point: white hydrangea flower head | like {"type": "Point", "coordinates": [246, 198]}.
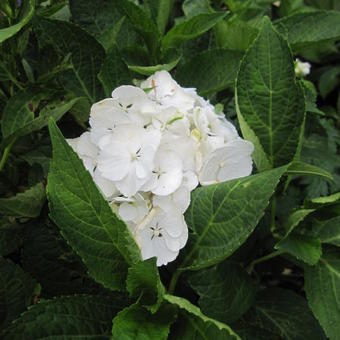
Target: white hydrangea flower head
{"type": "Point", "coordinates": [149, 147]}
{"type": "Point", "coordinates": [301, 69]}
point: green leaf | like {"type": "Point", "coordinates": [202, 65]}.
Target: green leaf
{"type": "Point", "coordinates": [303, 247]}
{"type": "Point", "coordinates": [55, 265]}
{"type": "Point", "coordinates": [305, 29]}
{"type": "Point", "coordinates": [26, 15]}
{"type": "Point", "coordinates": [226, 291]}
{"type": "Point", "coordinates": [19, 111]}
{"type": "Point", "coordinates": [326, 199]}
{"type": "Point", "coordinates": [16, 291]}
{"type": "Point", "coordinates": [295, 218]}
{"type": "Point", "coordinates": [114, 72]}
{"type": "Point", "coordinates": [235, 34]}
{"type": "Point", "coordinates": [328, 231]}
{"type": "Point", "coordinates": [222, 216]}
{"type": "Point", "coordinates": [197, 325]}
{"type": "Point", "coordinates": [191, 28]}
{"type": "Point", "coordinates": [142, 23]}
{"type": "Point", "coordinates": [54, 110]}
{"type": "Point", "coordinates": [210, 71]}
{"type": "Point", "coordinates": [268, 97]}
{"type": "Point", "coordinates": [322, 284]}
{"type": "Point", "coordinates": [303, 169]}
{"type": "Point", "coordinates": [143, 282]}
{"type": "Point", "coordinates": [85, 219]}
{"type": "Point", "coordinates": [135, 322]}
{"type": "Point", "coordinates": [26, 204]}
{"type": "Point", "coordinates": [193, 7]}
{"type": "Point", "coordinates": [70, 317]}
{"type": "Point", "coordinates": [87, 56]}
{"type": "Point", "coordinates": [149, 70]}
{"type": "Point", "coordinates": [160, 11]}
{"type": "Point", "coordinates": [279, 314]}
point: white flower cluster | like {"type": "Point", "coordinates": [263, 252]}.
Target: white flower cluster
{"type": "Point", "coordinates": [148, 147]}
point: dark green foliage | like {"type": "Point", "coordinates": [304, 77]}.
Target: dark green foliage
{"type": "Point", "coordinates": [263, 256]}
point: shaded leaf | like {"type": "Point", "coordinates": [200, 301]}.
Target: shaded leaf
{"type": "Point", "coordinates": [26, 204]}
{"type": "Point", "coordinates": [226, 291]}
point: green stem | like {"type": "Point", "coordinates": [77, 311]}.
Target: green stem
{"type": "Point", "coordinates": [174, 280]}
{"type": "Point", "coordinates": [263, 259]}
{"type": "Point", "coordinates": [5, 155]}
{"type": "Point", "coordinates": [273, 213]}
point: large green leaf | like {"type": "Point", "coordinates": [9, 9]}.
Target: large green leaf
{"type": "Point", "coordinates": [26, 15]}
{"type": "Point", "coordinates": [279, 314]}
{"type": "Point", "coordinates": [135, 322]}
{"type": "Point", "coordinates": [87, 56]}
{"type": "Point", "coordinates": [222, 216]}
{"type": "Point", "coordinates": [26, 204]}
{"type": "Point", "coordinates": [55, 111]}
{"type": "Point", "coordinates": [210, 71]}
{"type": "Point", "coordinates": [191, 28]}
{"type": "Point", "coordinates": [85, 219]}
{"type": "Point", "coordinates": [305, 169]}
{"type": "Point", "coordinates": [114, 72]}
{"type": "Point", "coordinates": [226, 291]}
{"type": "Point", "coordinates": [269, 99]}
{"type": "Point", "coordinates": [16, 291]}
{"type": "Point", "coordinates": [322, 286]}
{"type": "Point", "coordinates": [196, 325]}
{"type": "Point", "coordinates": [143, 282]}
{"type": "Point", "coordinates": [83, 317]}
{"type": "Point", "coordinates": [305, 29]}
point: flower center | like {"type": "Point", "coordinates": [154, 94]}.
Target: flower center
{"type": "Point", "coordinates": [156, 231]}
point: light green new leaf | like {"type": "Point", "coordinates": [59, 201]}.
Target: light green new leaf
{"type": "Point", "coordinates": [26, 204]}
{"type": "Point", "coordinates": [222, 216]}
{"type": "Point", "coordinates": [85, 219]}
{"type": "Point", "coordinates": [26, 15]}
{"type": "Point", "coordinates": [143, 282]}
{"type": "Point", "coordinates": [114, 72]}
{"type": "Point", "coordinates": [331, 199]}
{"type": "Point", "coordinates": [196, 325]}
{"type": "Point", "coordinates": [55, 111]}
{"type": "Point", "coordinates": [135, 322]}
{"type": "Point", "coordinates": [305, 29]}
{"type": "Point", "coordinates": [71, 317]}
{"type": "Point", "coordinates": [269, 99]}
{"type": "Point", "coordinates": [16, 291]}
{"type": "Point", "coordinates": [305, 169]}
{"type": "Point", "coordinates": [149, 70]}
{"type": "Point", "coordinates": [87, 56]}
{"type": "Point", "coordinates": [328, 231]}
{"type": "Point", "coordinates": [279, 314]}
{"type": "Point", "coordinates": [226, 291]}
{"type": "Point", "coordinates": [322, 286]}
{"type": "Point", "coordinates": [210, 71]}
{"type": "Point", "coordinates": [303, 247]}
{"type": "Point", "coordinates": [191, 28]}
{"type": "Point", "coordinates": [160, 11]}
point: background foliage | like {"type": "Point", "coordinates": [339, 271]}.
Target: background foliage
{"type": "Point", "coordinates": [263, 260]}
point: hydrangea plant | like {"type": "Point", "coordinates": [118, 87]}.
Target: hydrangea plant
{"type": "Point", "coordinates": [169, 169]}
